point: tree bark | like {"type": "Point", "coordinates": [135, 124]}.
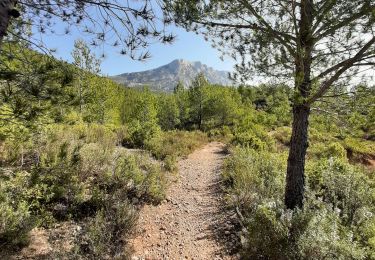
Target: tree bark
{"type": "Point", "coordinates": [295, 179]}
{"type": "Point", "coordinates": [5, 15]}
{"type": "Point", "coordinates": [295, 182]}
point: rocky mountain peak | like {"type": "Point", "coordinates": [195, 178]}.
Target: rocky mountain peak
{"type": "Point", "coordinates": [166, 77]}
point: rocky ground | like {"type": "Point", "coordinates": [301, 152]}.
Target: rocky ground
{"type": "Point", "coordinates": [192, 222]}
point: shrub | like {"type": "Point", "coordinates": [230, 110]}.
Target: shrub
{"type": "Point", "coordinates": [170, 163]}
{"type": "Point", "coordinates": [15, 222]}
{"type": "Point", "coordinates": [15, 216]}
{"type": "Point", "coordinates": [78, 173]}
{"type": "Point", "coordinates": [255, 137]}
{"type": "Point", "coordinates": [283, 134]}
{"type": "Point", "coordinates": [176, 143]}
{"type": "Point", "coordinates": [324, 150]}
{"type": "Point", "coordinates": [342, 186]}
{"type": "Point", "coordinates": [359, 149]}
{"type": "Point", "coordinates": [106, 232]}
{"type": "Point", "coordinates": [336, 222]}
{"type": "Point", "coordinates": [141, 133]}
{"type": "Point", "coordinates": [254, 177]}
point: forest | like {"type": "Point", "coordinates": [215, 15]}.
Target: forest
{"type": "Point", "coordinates": [81, 155]}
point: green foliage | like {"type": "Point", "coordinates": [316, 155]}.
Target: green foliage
{"type": "Point", "coordinates": [327, 150]}
{"type": "Point", "coordinates": [248, 132]}
{"type": "Point", "coordinates": [61, 131]}
{"type": "Point", "coordinates": [337, 221]}
{"type": "Point", "coordinates": [176, 144]}
{"type": "Point", "coordinates": [282, 135]}
{"type": "Point", "coordinates": [168, 112]}
{"type": "Point", "coordinates": [359, 148]}
{"type": "Point", "coordinates": [105, 231]}
{"type": "Point", "coordinates": [15, 216]}
{"type": "Point", "coordinates": [78, 173]}
{"type": "Point", "coordinates": [139, 113]}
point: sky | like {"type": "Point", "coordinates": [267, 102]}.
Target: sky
{"type": "Point", "coordinates": [188, 46]}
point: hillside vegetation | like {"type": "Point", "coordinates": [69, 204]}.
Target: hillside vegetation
{"type": "Point", "coordinates": [78, 148]}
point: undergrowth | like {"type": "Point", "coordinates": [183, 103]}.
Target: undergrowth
{"type": "Point", "coordinates": [336, 222]}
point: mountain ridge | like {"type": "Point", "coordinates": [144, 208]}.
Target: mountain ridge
{"type": "Point", "coordinates": [166, 77]}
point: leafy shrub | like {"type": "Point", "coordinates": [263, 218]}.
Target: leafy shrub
{"type": "Point", "coordinates": [140, 134]}
{"type": "Point", "coordinates": [139, 177]}
{"type": "Point", "coordinates": [15, 216]}
{"type": "Point", "coordinates": [283, 134]}
{"type": "Point", "coordinates": [359, 149]}
{"type": "Point", "coordinates": [170, 163]}
{"type": "Point", "coordinates": [342, 186]}
{"type": "Point", "coordinates": [106, 231]}
{"type": "Point", "coordinates": [336, 222]}
{"type": "Point", "coordinates": [176, 143]}
{"type": "Point", "coordinates": [249, 140]}
{"type": "Point", "coordinates": [79, 173]}
{"type": "Point", "coordinates": [252, 135]}
{"type": "Point", "coordinates": [324, 150]}
{"type": "Point", "coordinates": [254, 176]}
{"type": "Point", "coordinates": [15, 222]}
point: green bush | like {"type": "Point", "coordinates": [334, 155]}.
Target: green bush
{"type": "Point", "coordinates": [16, 219]}
{"type": "Point", "coordinates": [359, 149]}
{"type": "Point", "coordinates": [170, 163]}
{"type": "Point", "coordinates": [254, 177]}
{"type": "Point", "coordinates": [140, 134]}
{"type": "Point", "coordinates": [327, 150]}
{"type": "Point", "coordinates": [106, 232]}
{"type": "Point", "coordinates": [78, 172]}
{"type": "Point", "coordinates": [282, 135]}
{"type": "Point", "coordinates": [343, 186]}
{"type": "Point", "coordinates": [336, 222]}
{"type": "Point", "coordinates": [252, 135]}
{"type": "Point", "coordinates": [176, 143]}
{"type": "Point", "coordinates": [15, 222]}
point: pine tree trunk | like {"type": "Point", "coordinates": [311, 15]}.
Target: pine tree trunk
{"type": "Point", "coordinates": [295, 182]}
{"type": "Point", "coordinates": [295, 179]}
{"type": "Point", "coordinates": [5, 15]}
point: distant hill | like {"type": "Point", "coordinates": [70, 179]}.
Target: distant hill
{"type": "Point", "coordinates": [166, 77]}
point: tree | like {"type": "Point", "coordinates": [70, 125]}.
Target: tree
{"type": "Point", "coordinates": [310, 44]}
{"type": "Point", "coordinates": [32, 85]}
{"type": "Point", "coordinates": [88, 66]}
{"type": "Point", "coordinates": [197, 97]}
{"type": "Point", "coordinates": [168, 112]}
{"type": "Point", "coordinates": [128, 26]}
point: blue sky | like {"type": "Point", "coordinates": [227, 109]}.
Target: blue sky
{"type": "Point", "coordinates": [188, 46]}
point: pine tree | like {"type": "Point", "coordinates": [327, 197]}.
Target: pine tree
{"type": "Point", "coordinates": [311, 44]}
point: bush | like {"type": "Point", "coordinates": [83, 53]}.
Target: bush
{"type": "Point", "coordinates": [359, 149]}
{"type": "Point", "coordinates": [254, 177]}
{"type": "Point", "coordinates": [343, 186]}
{"type": "Point", "coordinates": [140, 134]}
{"type": "Point", "coordinates": [324, 150]}
{"type": "Point", "coordinates": [15, 216]}
{"type": "Point", "coordinates": [175, 143]}
{"type": "Point", "coordinates": [15, 223]}
{"type": "Point", "coordinates": [253, 136]}
{"type": "Point", "coordinates": [105, 234]}
{"type": "Point", "coordinates": [283, 134]}
{"type": "Point", "coordinates": [336, 222]}
{"type": "Point", "coordinates": [78, 173]}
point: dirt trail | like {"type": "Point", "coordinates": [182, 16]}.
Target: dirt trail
{"type": "Point", "coordinates": [191, 223]}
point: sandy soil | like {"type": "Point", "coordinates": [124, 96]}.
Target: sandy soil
{"type": "Point", "coordinates": [191, 223]}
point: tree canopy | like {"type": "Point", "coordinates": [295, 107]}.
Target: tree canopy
{"type": "Point", "coordinates": [310, 43]}
{"type": "Point", "coordinates": [130, 26]}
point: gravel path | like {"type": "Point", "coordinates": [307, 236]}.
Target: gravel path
{"type": "Point", "coordinates": [191, 223]}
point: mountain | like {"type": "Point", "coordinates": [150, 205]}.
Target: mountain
{"type": "Point", "coordinates": [166, 77]}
